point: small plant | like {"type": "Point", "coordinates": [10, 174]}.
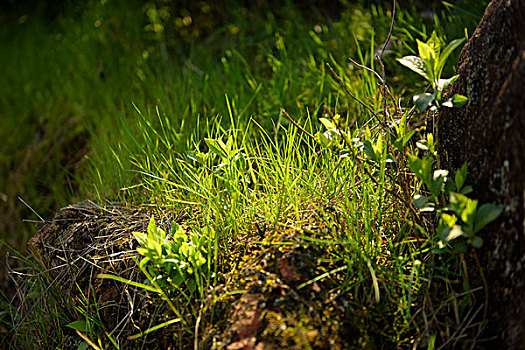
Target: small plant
{"type": "Point", "coordinates": [174, 260]}
{"type": "Point", "coordinates": [429, 65]}
{"type": "Point", "coordinates": [459, 216]}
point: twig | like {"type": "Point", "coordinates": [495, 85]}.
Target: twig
{"type": "Point", "coordinates": [368, 69]}
{"type": "Point", "coordinates": [196, 335]}
{"type": "Point", "coordinates": [383, 52]}
{"type": "Point", "coordinates": [342, 83]}
{"type": "Point", "coordinates": [391, 29]}
{"type": "Point", "coordinates": [34, 212]}
{"type": "Point", "coordinates": [380, 79]}
{"type": "Point", "coordinates": [297, 125]}
{"type": "Point", "coordinates": [385, 110]}
{"type": "Point", "coordinates": [485, 285]}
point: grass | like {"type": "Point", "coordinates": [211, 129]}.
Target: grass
{"type": "Point", "coordinates": [206, 136]}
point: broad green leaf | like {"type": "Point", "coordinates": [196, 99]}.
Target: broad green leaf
{"type": "Point", "coordinates": [78, 325]}
{"type": "Point", "coordinates": [400, 142]}
{"type": "Point", "coordinates": [442, 85]}
{"type": "Point", "coordinates": [426, 51]}
{"type": "Point", "coordinates": [448, 220]}
{"type": "Point", "coordinates": [368, 148]}
{"type": "Point", "coordinates": [368, 134]}
{"type": "Point", "coordinates": [192, 285]}
{"type": "Point", "coordinates": [456, 101]}
{"type": "Point", "coordinates": [435, 45]}
{"type": "Point", "coordinates": [438, 178]}
{"type": "Point", "coordinates": [140, 237]}
{"type": "Point", "coordinates": [161, 233]}
{"type": "Point", "coordinates": [142, 251]}
{"type": "Point", "coordinates": [201, 157]}
{"type": "Point", "coordinates": [400, 126]}
{"type": "Point", "coordinates": [152, 227]}
{"type": "Point", "coordinates": [440, 63]}
{"type": "Point", "coordinates": [469, 213]}
{"type": "Point", "coordinates": [377, 145]}
{"type": "Point", "coordinates": [461, 175]}
{"type": "Point", "coordinates": [416, 64]}
{"type": "Point", "coordinates": [466, 190]}
{"type": "Point", "coordinates": [449, 235]}
{"type": "Point", "coordinates": [421, 168]}
{"type": "Point", "coordinates": [430, 142]}
{"type": "Point", "coordinates": [327, 123]}
{"type": "Point", "coordinates": [423, 101]}
{"type": "Point", "coordinates": [84, 346]}
{"type": "Point", "coordinates": [476, 241]}
{"type": "Point", "coordinates": [450, 186]}
{"type": "Point", "coordinates": [178, 233]}
{"type": "Point", "coordinates": [195, 238]}
{"type": "Point", "coordinates": [486, 214]}
{"type": "Point", "coordinates": [229, 144]}
{"type": "Point", "coordinates": [325, 139]}
{"type": "Point", "coordinates": [459, 248]}
{"type": "Point", "coordinates": [420, 201]}
{"type": "Point", "coordinates": [464, 207]}
{"type": "Point", "coordinates": [219, 148]}
{"type": "Point", "coordinates": [209, 233]}
{"type": "Point", "coordinates": [199, 259]}
{"type": "Point", "coordinates": [144, 261]}
{"type": "Point", "coordinates": [408, 136]}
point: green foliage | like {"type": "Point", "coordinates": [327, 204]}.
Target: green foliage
{"type": "Point", "coordinates": [177, 259]}
{"type": "Point", "coordinates": [458, 215]}
{"type": "Point", "coordinates": [429, 64]}
{"type": "Point", "coordinates": [341, 191]}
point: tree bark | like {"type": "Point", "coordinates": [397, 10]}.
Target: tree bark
{"type": "Point", "coordinates": [489, 133]}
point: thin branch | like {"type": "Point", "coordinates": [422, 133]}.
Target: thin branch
{"type": "Point", "coordinates": [390, 32]}
{"type": "Point", "coordinates": [342, 83]}
{"type": "Point", "coordinates": [296, 124]}
{"type": "Point", "coordinates": [368, 69]}
{"type": "Point", "coordinates": [380, 79]}
{"type": "Point", "coordinates": [34, 212]}
{"type": "Point", "coordinates": [385, 110]}
{"type": "Point", "coordinates": [383, 52]}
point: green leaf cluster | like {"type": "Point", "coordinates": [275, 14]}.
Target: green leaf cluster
{"type": "Point", "coordinates": [429, 64]}
{"type": "Point", "coordinates": [176, 259]}
{"type": "Point", "coordinates": [334, 134]}
{"type": "Point", "coordinates": [401, 133]}
{"type": "Point", "coordinates": [460, 216]}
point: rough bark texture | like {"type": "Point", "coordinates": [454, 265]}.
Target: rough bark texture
{"type": "Point", "coordinates": [489, 133]}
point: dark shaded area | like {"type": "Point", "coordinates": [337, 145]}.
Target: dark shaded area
{"type": "Point", "coordinates": [70, 251]}
{"type": "Point", "coordinates": [489, 134]}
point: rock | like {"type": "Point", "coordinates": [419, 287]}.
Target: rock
{"type": "Point", "coordinates": [489, 133]}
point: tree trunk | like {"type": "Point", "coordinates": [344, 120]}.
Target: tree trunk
{"type": "Point", "coordinates": [489, 133]}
